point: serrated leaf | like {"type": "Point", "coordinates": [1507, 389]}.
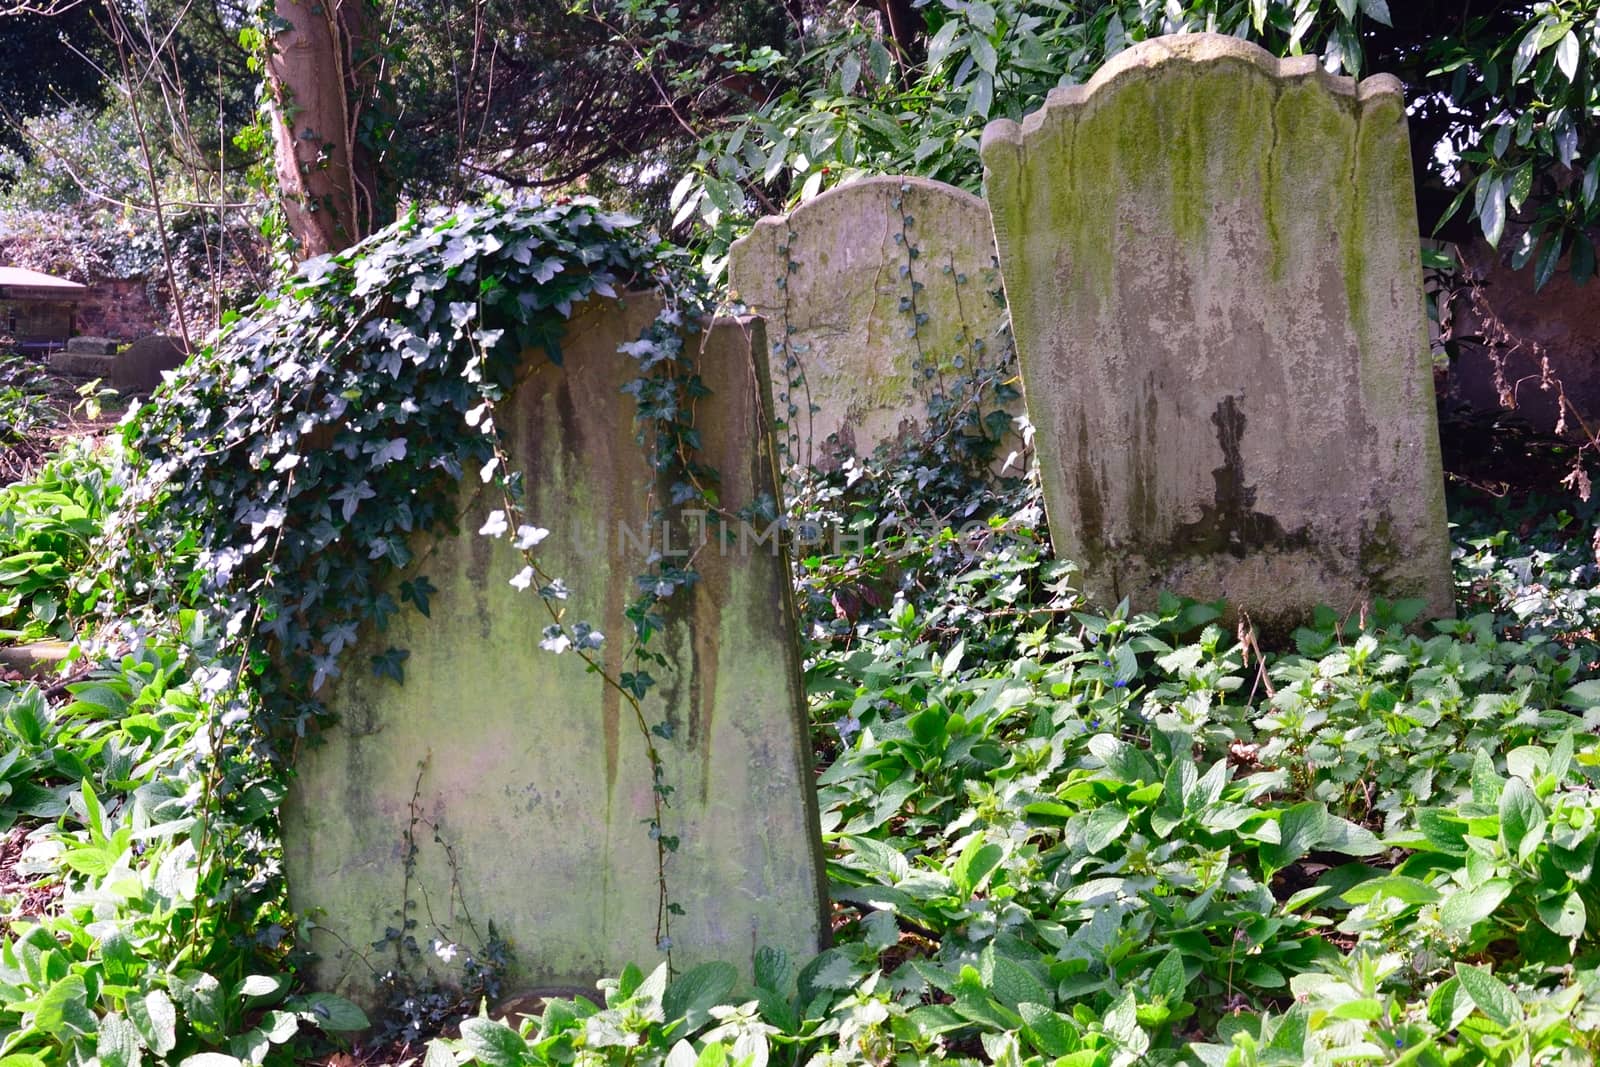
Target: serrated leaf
{"type": "Point", "coordinates": [1492, 996]}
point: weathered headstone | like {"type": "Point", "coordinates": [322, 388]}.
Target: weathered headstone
{"type": "Point", "coordinates": [1212, 265]}
{"type": "Point", "coordinates": [521, 778]}
{"type": "Point", "coordinates": [138, 367]}
{"type": "Point", "coordinates": [85, 357]}
{"type": "Point", "coordinates": [94, 346]}
{"type": "Point", "coordinates": [875, 294]}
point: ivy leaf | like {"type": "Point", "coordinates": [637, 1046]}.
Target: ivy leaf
{"type": "Point", "coordinates": [390, 451]}
{"type": "Point", "coordinates": [391, 664]}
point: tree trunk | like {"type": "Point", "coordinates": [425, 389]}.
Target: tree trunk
{"type": "Point", "coordinates": [326, 180]}
{"type": "Point", "coordinates": [903, 26]}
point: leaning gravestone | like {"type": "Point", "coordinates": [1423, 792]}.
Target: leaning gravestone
{"type": "Point", "coordinates": [1212, 264]}
{"type": "Point", "coordinates": [875, 294]}
{"type": "Point", "coordinates": [520, 778]}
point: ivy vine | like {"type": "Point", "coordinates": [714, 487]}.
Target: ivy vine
{"type": "Point", "coordinates": [284, 479]}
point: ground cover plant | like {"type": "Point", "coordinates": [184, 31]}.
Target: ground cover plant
{"type": "Point", "coordinates": [1057, 832]}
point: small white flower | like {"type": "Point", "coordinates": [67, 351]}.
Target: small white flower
{"type": "Point", "coordinates": [523, 579]}
{"type": "Point", "coordinates": [445, 952]}
{"type": "Point", "coordinates": [528, 536]}
{"type": "Point", "coordinates": [495, 525]}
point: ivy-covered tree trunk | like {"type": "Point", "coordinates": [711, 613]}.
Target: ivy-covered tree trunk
{"type": "Point", "coordinates": [319, 80]}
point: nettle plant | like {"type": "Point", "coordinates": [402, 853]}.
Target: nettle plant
{"type": "Point", "coordinates": [284, 480]}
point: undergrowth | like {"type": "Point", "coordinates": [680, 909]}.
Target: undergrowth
{"type": "Point", "coordinates": [1057, 832]}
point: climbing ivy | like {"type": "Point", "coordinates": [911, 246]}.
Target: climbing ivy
{"type": "Point", "coordinates": [285, 477]}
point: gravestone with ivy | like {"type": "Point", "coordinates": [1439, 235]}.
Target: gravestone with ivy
{"type": "Point", "coordinates": [588, 821]}
{"type": "Point", "coordinates": [1211, 261]}
{"type": "Point", "coordinates": [880, 297]}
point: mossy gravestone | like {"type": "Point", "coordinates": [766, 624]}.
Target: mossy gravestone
{"type": "Point", "coordinates": [504, 784]}
{"type": "Point", "coordinates": [875, 294]}
{"type": "Point", "coordinates": [1212, 264]}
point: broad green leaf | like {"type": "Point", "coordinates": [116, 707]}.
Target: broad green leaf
{"type": "Point", "coordinates": [1009, 981]}
{"type": "Point", "coordinates": [492, 1043]}
{"type": "Point", "coordinates": [1567, 55]}
{"type": "Point", "coordinates": [693, 994]}
{"type": "Point", "coordinates": [1564, 914]}
{"type": "Point", "coordinates": [156, 1019]}
{"type": "Point", "coordinates": [1522, 820]}
{"type": "Point", "coordinates": [1169, 978]}
{"type": "Point", "coordinates": [210, 1059]}
{"type": "Point", "coordinates": [975, 863]}
{"type": "Point", "coordinates": [1299, 830]}
{"type": "Point", "coordinates": [1103, 826]}
{"type": "Point", "coordinates": [1377, 11]}
{"type": "Point", "coordinates": [1465, 908]}
{"type": "Point", "coordinates": [117, 1044]}
{"type": "Point", "coordinates": [1491, 995]}
{"type": "Point", "coordinates": [63, 1008]}
{"type": "Point", "coordinates": [849, 74]}
{"type": "Point", "coordinates": [328, 1011]}
{"type": "Point", "coordinates": [1526, 52]}
{"type": "Point", "coordinates": [1493, 217]}
{"type": "Point", "coordinates": [1052, 1033]}
{"type": "Point", "coordinates": [260, 985]}
{"type": "Point", "coordinates": [1351, 839]}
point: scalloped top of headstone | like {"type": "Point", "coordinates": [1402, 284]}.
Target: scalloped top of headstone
{"type": "Point", "coordinates": [1148, 57]}
{"type": "Point", "coordinates": [876, 295]}
{"type": "Point", "coordinates": [1211, 258]}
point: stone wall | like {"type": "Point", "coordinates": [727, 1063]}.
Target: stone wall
{"type": "Point", "coordinates": [529, 770]}
{"type": "Point", "coordinates": [1212, 266]}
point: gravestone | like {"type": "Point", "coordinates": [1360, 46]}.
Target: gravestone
{"type": "Point", "coordinates": [1211, 260]}
{"type": "Point", "coordinates": [94, 346]}
{"type": "Point", "coordinates": [85, 357]}
{"type": "Point", "coordinates": [138, 367]}
{"type": "Point", "coordinates": [875, 294]}
{"type": "Point", "coordinates": [520, 777]}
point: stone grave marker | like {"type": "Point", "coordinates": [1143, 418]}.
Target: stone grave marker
{"type": "Point", "coordinates": [875, 294]}
{"type": "Point", "coordinates": [138, 367]}
{"type": "Point", "coordinates": [521, 778]}
{"type": "Point", "coordinates": [1212, 265]}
